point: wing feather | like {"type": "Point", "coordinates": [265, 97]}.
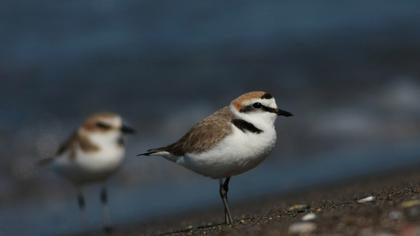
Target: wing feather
{"type": "Point", "coordinates": [64, 147]}
{"type": "Point", "coordinates": [203, 135]}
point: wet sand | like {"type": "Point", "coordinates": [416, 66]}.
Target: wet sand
{"type": "Point", "coordinates": [337, 210]}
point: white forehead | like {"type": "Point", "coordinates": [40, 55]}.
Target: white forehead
{"type": "Point", "coordinates": [114, 121]}
{"type": "Point", "coordinates": [266, 102]}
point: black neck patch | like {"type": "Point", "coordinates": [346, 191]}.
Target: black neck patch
{"type": "Point", "coordinates": [246, 126]}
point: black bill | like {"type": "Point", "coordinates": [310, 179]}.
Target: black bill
{"type": "Point", "coordinates": [281, 112]}
{"type": "Point", "coordinates": [127, 130]}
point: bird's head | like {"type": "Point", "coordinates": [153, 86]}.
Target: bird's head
{"type": "Point", "coordinates": [105, 126]}
{"type": "Point", "coordinates": [257, 106]}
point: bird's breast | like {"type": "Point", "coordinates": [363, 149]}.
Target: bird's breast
{"type": "Point", "coordinates": [235, 154]}
{"type": "Point", "coordinates": [104, 159]}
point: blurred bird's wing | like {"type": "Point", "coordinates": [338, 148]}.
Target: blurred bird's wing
{"type": "Point", "coordinates": [68, 144]}
{"type": "Point", "coordinates": [64, 147]}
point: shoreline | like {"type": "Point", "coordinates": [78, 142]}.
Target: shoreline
{"type": "Point", "coordinates": [393, 210]}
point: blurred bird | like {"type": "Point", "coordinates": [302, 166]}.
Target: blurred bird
{"type": "Point", "coordinates": [91, 155]}
{"type": "Point", "coordinates": [232, 140]}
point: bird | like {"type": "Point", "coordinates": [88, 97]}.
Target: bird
{"type": "Point", "coordinates": [91, 155]}
{"type": "Point", "coordinates": [229, 142]}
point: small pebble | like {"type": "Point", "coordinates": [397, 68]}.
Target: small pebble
{"type": "Point", "coordinates": [189, 227]}
{"type": "Point", "coordinates": [299, 208]}
{"type": "Point", "coordinates": [395, 215]}
{"type": "Point", "coordinates": [366, 199]}
{"type": "Point", "coordinates": [309, 217]}
{"type": "Point", "coordinates": [242, 221]}
{"type": "Point", "coordinates": [302, 228]}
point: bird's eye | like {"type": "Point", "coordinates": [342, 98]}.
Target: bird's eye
{"type": "Point", "coordinates": [257, 105]}
{"type": "Point", "coordinates": [103, 125]}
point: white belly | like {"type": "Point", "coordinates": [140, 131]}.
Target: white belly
{"type": "Point", "coordinates": [234, 155]}
{"type": "Point", "coordinates": [90, 166]}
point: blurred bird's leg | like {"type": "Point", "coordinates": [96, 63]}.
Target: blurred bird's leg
{"type": "Point", "coordinates": [223, 190]}
{"type": "Point", "coordinates": [82, 206]}
{"type": "Point", "coordinates": [105, 210]}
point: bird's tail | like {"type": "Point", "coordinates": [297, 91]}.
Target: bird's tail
{"type": "Point", "coordinates": [156, 152]}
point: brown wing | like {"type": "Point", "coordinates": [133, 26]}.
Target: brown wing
{"type": "Point", "coordinates": [68, 144]}
{"type": "Point", "coordinates": [77, 139]}
{"type": "Point", "coordinates": [203, 135]}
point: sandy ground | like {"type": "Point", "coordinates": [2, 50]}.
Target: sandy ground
{"type": "Point", "coordinates": [390, 209]}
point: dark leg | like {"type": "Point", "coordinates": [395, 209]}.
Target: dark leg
{"type": "Point", "coordinates": [223, 190]}
{"type": "Point", "coordinates": [105, 209]}
{"type": "Point", "coordinates": [82, 205]}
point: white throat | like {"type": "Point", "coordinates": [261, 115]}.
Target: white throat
{"type": "Point", "coordinates": [104, 140]}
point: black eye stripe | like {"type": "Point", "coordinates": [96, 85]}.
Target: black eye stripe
{"type": "Point", "coordinates": [247, 109]}
{"type": "Point", "coordinates": [103, 125]}
{"type": "Point", "coordinates": [251, 108]}
{"type": "Point", "coordinates": [257, 105]}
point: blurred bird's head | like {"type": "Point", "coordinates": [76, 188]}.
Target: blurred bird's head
{"type": "Point", "coordinates": [105, 126]}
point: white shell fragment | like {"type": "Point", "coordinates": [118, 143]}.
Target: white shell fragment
{"type": "Point", "coordinates": [309, 217]}
{"type": "Point", "coordinates": [302, 228]}
{"type": "Point", "coordinates": [395, 215]}
{"type": "Point", "coordinates": [366, 199]}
